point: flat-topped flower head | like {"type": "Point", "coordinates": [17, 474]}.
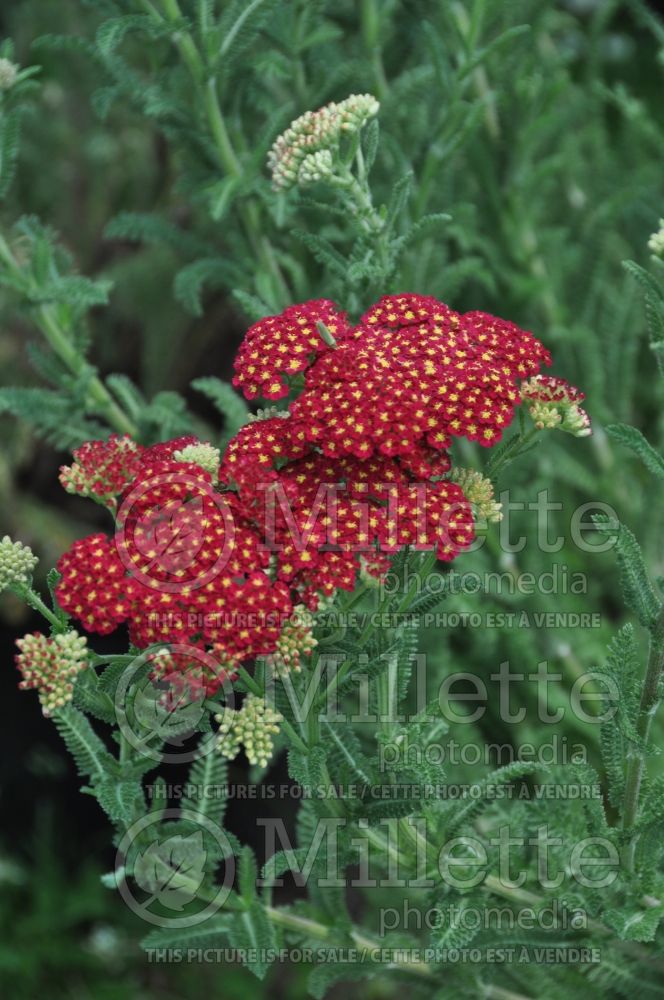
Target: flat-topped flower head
{"type": "Point", "coordinates": [305, 152]}
{"type": "Point", "coordinates": [185, 565]}
{"type": "Point", "coordinates": [412, 375]}
{"type": "Point", "coordinates": [50, 666]}
{"type": "Point", "coordinates": [17, 563]}
{"type": "Point", "coordinates": [554, 403]}
{"type": "Point", "coordinates": [328, 519]}
{"type": "Point", "coordinates": [102, 469]}
{"type": "Point", "coordinates": [280, 347]}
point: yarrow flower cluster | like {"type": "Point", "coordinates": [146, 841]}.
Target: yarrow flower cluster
{"type": "Point", "coordinates": [102, 469]}
{"type": "Point", "coordinates": [553, 403]}
{"type": "Point", "coordinates": [373, 424]}
{"type": "Point", "coordinates": [305, 152]}
{"type": "Point", "coordinates": [17, 563]}
{"type": "Point", "coordinates": [226, 560]}
{"type": "Point", "coordinates": [251, 728]}
{"type": "Point", "coordinates": [280, 347]}
{"type": "Point", "coordinates": [51, 665]}
{"type": "Point", "coordinates": [184, 566]}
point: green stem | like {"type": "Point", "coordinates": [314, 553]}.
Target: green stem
{"type": "Point", "coordinates": [34, 600]}
{"type": "Point", "coordinates": [515, 447]}
{"type": "Point", "coordinates": [60, 340]}
{"type": "Point", "coordinates": [284, 725]}
{"type": "Point", "coordinates": [290, 921]}
{"type": "Point", "coordinates": [650, 701]}
{"type": "Point", "coordinates": [370, 31]}
{"type": "Point", "coordinates": [249, 212]}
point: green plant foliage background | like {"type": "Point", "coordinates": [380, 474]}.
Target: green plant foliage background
{"type": "Point", "coordinates": [531, 136]}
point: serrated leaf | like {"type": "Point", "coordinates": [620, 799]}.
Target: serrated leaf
{"type": "Point", "coordinates": [122, 800]}
{"type": "Point", "coordinates": [637, 588]}
{"type": "Point", "coordinates": [229, 403]}
{"type": "Point", "coordinates": [172, 870]}
{"type": "Point", "coordinates": [646, 280]}
{"type": "Point", "coordinates": [206, 934]}
{"type": "Point", "coordinates": [632, 438]}
{"type": "Point", "coordinates": [90, 755]}
{"type": "Point", "coordinates": [252, 932]}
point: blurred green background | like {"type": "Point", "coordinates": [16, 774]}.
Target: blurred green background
{"type": "Point", "coordinates": [548, 155]}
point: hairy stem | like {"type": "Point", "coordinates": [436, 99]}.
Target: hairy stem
{"type": "Point", "coordinates": [32, 598]}
{"type": "Point", "coordinates": [206, 85]}
{"type": "Point", "coordinates": [650, 701]}
{"type": "Point", "coordinates": [370, 30]}
{"type": "Point", "coordinates": [60, 340]}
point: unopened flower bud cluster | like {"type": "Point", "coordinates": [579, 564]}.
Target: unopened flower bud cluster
{"type": "Point", "coordinates": [203, 454]}
{"type": "Point", "coordinates": [304, 153]}
{"type": "Point", "coordinates": [50, 666]}
{"type": "Point", "coordinates": [554, 404]}
{"type": "Point", "coordinates": [479, 490]}
{"type": "Point", "coordinates": [267, 413]}
{"type": "Point", "coordinates": [17, 562]}
{"type": "Point", "coordinates": [252, 728]}
{"type": "Point", "coordinates": [296, 640]}
{"type": "Point", "coordinates": [8, 74]}
{"type": "Point", "coordinates": [656, 241]}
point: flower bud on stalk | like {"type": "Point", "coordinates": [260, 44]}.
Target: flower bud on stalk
{"type": "Point", "coordinates": [296, 640]}
{"type": "Point", "coordinates": [554, 403]}
{"type": "Point", "coordinates": [17, 563]}
{"type": "Point", "coordinates": [8, 74]}
{"type": "Point", "coordinates": [51, 665]}
{"type": "Point", "coordinates": [202, 454]}
{"type": "Point", "coordinates": [479, 491]}
{"type": "Point", "coordinates": [656, 241]}
{"type": "Point", "coordinates": [252, 727]}
{"type": "Point", "coordinates": [305, 152]}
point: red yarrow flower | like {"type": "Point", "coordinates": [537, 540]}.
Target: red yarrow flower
{"type": "Point", "coordinates": [279, 347]}
{"type": "Point", "coordinates": [185, 566]}
{"type": "Point", "coordinates": [102, 469]}
{"type": "Point", "coordinates": [413, 374]}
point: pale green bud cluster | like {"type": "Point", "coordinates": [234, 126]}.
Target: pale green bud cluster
{"type": "Point", "coordinates": [656, 241]}
{"type": "Point", "coordinates": [305, 152]}
{"type": "Point", "coordinates": [50, 666]}
{"type": "Point", "coordinates": [267, 412]}
{"type": "Point", "coordinates": [8, 74]}
{"type": "Point", "coordinates": [203, 454]}
{"type": "Point", "coordinates": [17, 563]}
{"type": "Point", "coordinates": [315, 167]}
{"type": "Point", "coordinates": [479, 491]}
{"type": "Point", "coordinates": [554, 404]}
{"type": "Point", "coordinates": [251, 728]}
{"type": "Point", "coordinates": [296, 640]}
{"type": "Point", "coordinates": [544, 416]}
